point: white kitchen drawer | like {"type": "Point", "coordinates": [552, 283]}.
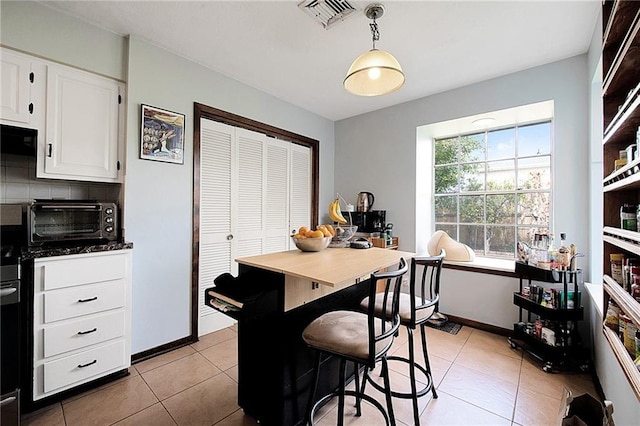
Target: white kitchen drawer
{"type": "Point", "coordinates": [83, 332]}
{"type": "Point", "coordinates": [89, 299]}
{"type": "Point", "coordinates": [75, 368]}
{"type": "Point", "coordinates": [61, 272]}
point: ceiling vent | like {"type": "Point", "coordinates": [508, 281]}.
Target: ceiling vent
{"type": "Point", "coordinates": [327, 12]}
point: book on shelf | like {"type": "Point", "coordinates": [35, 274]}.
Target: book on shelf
{"type": "Point", "coordinates": [226, 299]}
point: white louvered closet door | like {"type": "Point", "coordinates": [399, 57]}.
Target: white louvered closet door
{"type": "Point", "coordinates": [300, 189]}
{"type": "Point", "coordinates": [248, 193]}
{"type": "Point", "coordinates": [276, 215]}
{"type": "Point", "coordinates": [216, 160]}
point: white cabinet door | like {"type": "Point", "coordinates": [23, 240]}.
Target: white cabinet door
{"type": "Point", "coordinates": [22, 90]}
{"type": "Point", "coordinates": [276, 216]}
{"type": "Point", "coordinates": [300, 191]}
{"type": "Point", "coordinates": [216, 158]}
{"type": "Point", "coordinates": [15, 96]}
{"type": "Point", "coordinates": [83, 120]}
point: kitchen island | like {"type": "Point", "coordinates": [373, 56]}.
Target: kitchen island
{"type": "Point", "coordinates": [274, 297]}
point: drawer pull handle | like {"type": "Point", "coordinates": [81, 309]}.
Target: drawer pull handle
{"type": "Point", "coordinates": [91, 299]}
{"type": "Point", "coordinates": [7, 401]}
{"type": "Point", "coordinates": [88, 331]}
{"type": "Point", "coordinates": [87, 364]}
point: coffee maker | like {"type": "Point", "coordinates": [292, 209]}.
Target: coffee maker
{"type": "Point", "coordinates": [371, 221]}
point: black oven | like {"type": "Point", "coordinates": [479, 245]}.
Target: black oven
{"type": "Point", "coordinates": [12, 235]}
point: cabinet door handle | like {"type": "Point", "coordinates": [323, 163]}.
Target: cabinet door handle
{"type": "Point", "coordinates": [229, 237]}
{"type": "Point", "coordinates": [87, 364]}
{"type": "Point", "coordinates": [31, 108]}
{"type": "Point", "coordinates": [88, 331]}
{"type": "Point", "coordinates": [88, 300]}
{"type": "Point", "coordinates": [50, 150]}
{"type": "Point", "coordinates": [7, 401]}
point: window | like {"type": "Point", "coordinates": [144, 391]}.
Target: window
{"type": "Point", "coordinates": [493, 188]}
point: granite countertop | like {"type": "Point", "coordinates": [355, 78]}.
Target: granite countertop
{"type": "Point", "coordinates": [37, 252]}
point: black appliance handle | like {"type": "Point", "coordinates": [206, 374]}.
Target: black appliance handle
{"type": "Point", "coordinates": [68, 206]}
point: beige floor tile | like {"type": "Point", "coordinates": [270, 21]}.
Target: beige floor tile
{"type": "Point", "coordinates": [110, 404]}
{"type": "Point", "coordinates": [238, 418]}
{"type": "Point", "coordinates": [51, 415]}
{"type": "Point", "coordinates": [178, 375]}
{"type": "Point", "coordinates": [533, 408]}
{"type": "Point", "coordinates": [500, 366]}
{"type": "Point", "coordinates": [482, 390]}
{"type": "Point", "coordinates": [492, 342]}
{"type": "Point", "coordinates": [533, 378]}
{"type": "Point", "coordinates": [439, 366]}
{"type": "Point", "coordinates": [448, 410]}
{"type": "Point", "coordinates": [164, 359]}
{"type": "Point", "coordinates": [155, 415]}
{"type": "Point", "coordinates": [223, 355]}
{"type": "Point", "coordinates": [214, 338]}
{"type": "Point", "coordinates": [441, 344]}
{"type": "Point", "coordinates": [205, 403]}
{"type": "Point", "coordinates": [370, 415]}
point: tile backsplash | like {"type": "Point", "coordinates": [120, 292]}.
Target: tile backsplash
{"type": "Point", "coordinates": [18, 184]}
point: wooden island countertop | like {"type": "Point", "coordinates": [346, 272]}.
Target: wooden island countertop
{"type": "Point", "coordinates": [333, 267]}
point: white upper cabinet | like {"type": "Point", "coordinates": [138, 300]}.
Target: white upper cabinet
{"type": "Point", "coordinates": [84, 117]}
{"type": "Point", "coordinates": [22, 98]}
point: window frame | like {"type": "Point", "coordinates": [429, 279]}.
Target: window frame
{"type": "Point", "coordinates": [516, 224]}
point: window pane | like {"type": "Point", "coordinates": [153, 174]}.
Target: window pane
{"type": "Point", "coordinates": [472, 177]}
{"type": "Point", "coordinates": [446, 179]}
{"type": "Point", "coordinates": [534, 173]}
{"type": "Point", "coordinates": [501, 175]}
{"type": "Point", "coordinates": [446, 208]}
{"type": "Point", "coordinates": [501, 241]}
{"type": "Point", "coordinates": [501, 209]}
{"type": "Point", "coordinates": [525, 233]}
{"type": "Point", "coordinates": [472, 148]}
{"type": "Point", "coordinates": [446, 151]}
{"type": "Point", "coordinates": [533, 209]}
{"type": "Point", "coordinates": [534, 139]}
{"type": "Point", "coordinates": [449, 229]}
{"type": "Point", "coordinates": [472, 208]}
{"type": "Point", "coordinates": [501, 144]}
{"type": "Point", "coordinates": [473, 236]}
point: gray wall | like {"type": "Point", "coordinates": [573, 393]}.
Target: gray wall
{"type": "Point", "coordinates": [385, 140]}
{"type": "Point", "coordinates": [158, 196]}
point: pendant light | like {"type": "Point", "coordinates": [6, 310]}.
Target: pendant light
{"type": "Point", "coordinates": [375, 72]}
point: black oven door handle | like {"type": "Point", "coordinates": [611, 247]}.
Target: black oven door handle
{"type": "Point", "coordinates": [60, 207]}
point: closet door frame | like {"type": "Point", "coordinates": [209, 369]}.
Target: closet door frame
{"type": "Point", "coordinates": [214, 114]}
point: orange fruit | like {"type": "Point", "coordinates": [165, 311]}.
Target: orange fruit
{"type": "Point", "coordinates": [316, 234]}
{"type": "Point", "coordinates": [330, 229]}
{"type": "Point", "coordinates": [303, 230]}
{"type": "Point", "coordinates": [324, 230]}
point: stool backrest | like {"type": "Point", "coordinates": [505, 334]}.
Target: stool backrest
{"type": "Point", "coordinates": [424, 286]}
{"type": "Point", "coordinates": [383, 327]}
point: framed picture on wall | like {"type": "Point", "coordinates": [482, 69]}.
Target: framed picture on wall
{"type": "Point", "coordinates": [161, 135]}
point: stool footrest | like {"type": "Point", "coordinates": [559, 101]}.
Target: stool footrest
{"type": "Point", "coordinates": [421, 392]}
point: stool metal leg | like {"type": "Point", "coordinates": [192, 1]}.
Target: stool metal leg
{"type": "Point", "coordinates": [387, 386]}
{"type": "Point", "coordinates": [343, 369]}
{"type": "Point", "coordinates": [358, 398]}
{"type": "Point", "coordinates": [426, 359]}
{"type": "Point", "coordinates": [312, 394]}
{"type": "Point", "coordinates": [412, 375]}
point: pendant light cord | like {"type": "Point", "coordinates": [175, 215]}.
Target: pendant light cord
{"type": "Point", "coordinates": [375, 34]}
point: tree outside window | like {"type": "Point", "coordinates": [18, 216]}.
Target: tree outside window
{"type": "Point", "coordinates": [493, 188]}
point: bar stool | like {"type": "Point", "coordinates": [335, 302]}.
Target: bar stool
{"type": "Point", "coordinates": [362, 338]}
{"type": "Point", "coordinates": [416, 308]}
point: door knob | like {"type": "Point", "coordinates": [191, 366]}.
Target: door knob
{"type": "Point", "coordinates": [229, 237]}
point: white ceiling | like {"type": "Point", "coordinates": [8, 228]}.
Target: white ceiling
{"type": "Point", "coordinates": [277, 48]}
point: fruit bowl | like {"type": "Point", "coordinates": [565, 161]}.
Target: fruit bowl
{"type": "Point", "coordinates": [311, 244]}
{"type": "Point", "coordinates": [343, 235]}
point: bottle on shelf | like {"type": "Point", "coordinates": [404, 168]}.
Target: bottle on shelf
{"type": "Point", "coordinates": [552, 252]}
{"type": "Point", "coordinates": [563, 257]}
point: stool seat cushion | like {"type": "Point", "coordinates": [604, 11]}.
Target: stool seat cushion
{"type": "Point", "coordinates": [344, 333]}
{"type": "Point", "coordinates": [405, 308]}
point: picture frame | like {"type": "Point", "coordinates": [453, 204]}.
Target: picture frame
{"type": "Point", "coordinates": [161, 135]}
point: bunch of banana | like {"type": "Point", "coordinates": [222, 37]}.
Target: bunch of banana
{"type": "Point", "coordinates": [335, 213]}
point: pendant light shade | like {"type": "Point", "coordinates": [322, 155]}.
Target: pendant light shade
{"type": "Point", "coordinates": [375, 72]}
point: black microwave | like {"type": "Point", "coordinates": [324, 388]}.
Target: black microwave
{"type": "Point", "coordinates": [54, 222]}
